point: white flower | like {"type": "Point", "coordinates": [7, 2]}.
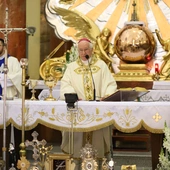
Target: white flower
{"type": "Point", "coordinates": [73, 54]}
{"type": "Point", "coordinates": [164, 157]}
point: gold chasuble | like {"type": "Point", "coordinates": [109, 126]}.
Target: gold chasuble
{"type": "Point", "coordinates": [85, 71]}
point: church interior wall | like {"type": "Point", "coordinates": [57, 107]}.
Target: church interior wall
{"type": "Point", "coordinates": [33, 19]}
{"type": "Point", "coordinates": [16, 19]}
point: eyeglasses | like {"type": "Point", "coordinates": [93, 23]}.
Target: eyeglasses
{"type": "Point", "coordinates": [85, 50]}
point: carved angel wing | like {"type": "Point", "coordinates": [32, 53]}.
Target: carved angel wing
{"type": "Point", "coordinates": [83, 25]}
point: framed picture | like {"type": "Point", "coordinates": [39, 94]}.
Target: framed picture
{"type": "Point", "coordinates": [58, 162]}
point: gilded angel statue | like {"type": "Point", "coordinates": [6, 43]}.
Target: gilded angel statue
{"type": "Point", "coordinates": [165, 67]}
{"type": "Point", "coordinates": [103, 49]}
{"type": "Point", "coordinates": [83, 26]}
{"type": "Point", "coordinates": [78, 25]}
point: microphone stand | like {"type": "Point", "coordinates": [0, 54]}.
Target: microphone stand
{"type": "Point", "coordinates": [94, 89]}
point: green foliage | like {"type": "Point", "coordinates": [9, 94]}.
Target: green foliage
{"type": "Point", "coordinates": [164, 156]}
{"type": "Point", "coordinates": [72, 54]}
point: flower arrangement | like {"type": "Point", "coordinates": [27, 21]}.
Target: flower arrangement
{"type": "Point", "coordinates": [72, 54]}
{"type": "Point", "coordinates": [164, 156]}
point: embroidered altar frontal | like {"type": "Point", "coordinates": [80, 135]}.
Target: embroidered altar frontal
{"type": "Point", "coordinates": [125, 116]}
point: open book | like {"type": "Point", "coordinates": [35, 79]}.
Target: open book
{"type": "Point", "coordinates": [127, 94]}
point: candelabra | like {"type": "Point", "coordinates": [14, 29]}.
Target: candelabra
{"type": "Point", "coordinates": [24, 64]}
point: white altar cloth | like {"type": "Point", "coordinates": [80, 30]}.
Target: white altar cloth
{"type": "Point", "coordinates": [152, 96]}
{"type": "Point", "coordinates": [125, 116]}
{"type": "Point", "coordinates": [45, 93]}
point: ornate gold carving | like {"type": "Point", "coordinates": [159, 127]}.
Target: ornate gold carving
{"type": "Point", "coordinates": [165, 67]}
{"type": "Point", "coordinates": [89, 164]}
{"type": "Point", "coordinates": [105, 164]}
{"type": "Point", "coordinates": [129, 72]}
{"type": "Point", "coordinates": [128, 167]}
{"type": "Point", "coordinates": [103, 49]}
{"type": "Point", "coordinates": [88, 155]}
{"type": "Point", "coordinates": [85, 26]}
{"type": "Point", "coordinates": [53, 67]}
{"type": "Point", "coordinates": [61, 157]}
{"type": "Point", "coordinates": [43, 153]}
{"type": "Point", "coordinates": [23, 163]}
{"type": "Point", "coordinates": [51, 71]}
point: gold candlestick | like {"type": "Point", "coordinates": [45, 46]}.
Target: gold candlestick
{"type": "Point", "coordinates": [24, 64]}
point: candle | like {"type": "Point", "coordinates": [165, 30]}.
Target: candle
{"type": "Point", "coordinates": [156, 68]}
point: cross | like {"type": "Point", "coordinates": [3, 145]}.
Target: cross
{"type": "Point", "coordinates": [39, 149]}
{"type": "Point", "coordinates": [5, 31]}
{"type": "Point", "coordinates": [35, 143]}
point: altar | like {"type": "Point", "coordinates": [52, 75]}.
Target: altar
{"type": "Point", "coordinates": [125, 116]}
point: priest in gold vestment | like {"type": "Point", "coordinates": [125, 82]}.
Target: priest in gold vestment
{"type": "Point", "coordinates": [78, 79]}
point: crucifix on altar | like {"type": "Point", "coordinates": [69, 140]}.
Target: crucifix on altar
{"type": "Point", "coordinates": [6, 31]}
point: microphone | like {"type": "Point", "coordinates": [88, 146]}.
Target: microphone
{"type": "Point", "coordinates": [94, 89]}
{"type": "Point", "coordinates": [87, 57]}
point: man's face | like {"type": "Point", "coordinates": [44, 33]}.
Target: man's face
{"type": "Point", "coordinates": [1, 48]}
{"type": "Point", "coordinates": [84, 49]}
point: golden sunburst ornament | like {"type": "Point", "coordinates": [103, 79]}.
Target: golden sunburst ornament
{"type": "Point", "coordinates": [23, 164]}
{"type": "Point", "coordinates": [88, 155]}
